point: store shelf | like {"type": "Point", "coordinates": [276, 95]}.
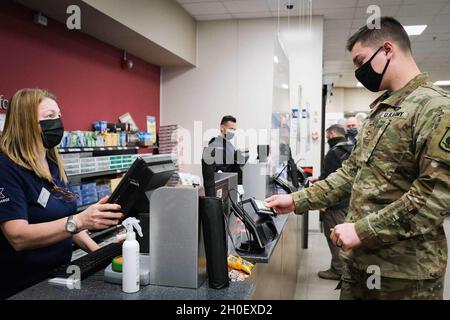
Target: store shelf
{"type": "Point", "coordinates": [94, 149]}
{"type": "Point", "coordinates": [97, 173]}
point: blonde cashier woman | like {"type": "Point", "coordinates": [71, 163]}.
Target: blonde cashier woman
{"type": "Point", "coordinates": [38, 220]}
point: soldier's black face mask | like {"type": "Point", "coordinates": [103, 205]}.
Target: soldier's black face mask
{"type": "Point", "coordinates": [52, 132]}
{"type": "Point", "coordinates": [368, 77]}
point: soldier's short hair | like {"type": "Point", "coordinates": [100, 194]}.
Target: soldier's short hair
{"type": "Point", "coordinates": [390, 29]}
{"type": "Point", "coordinates": [338, 129]}
{"type": "Point", "coordinates": [225, 119]}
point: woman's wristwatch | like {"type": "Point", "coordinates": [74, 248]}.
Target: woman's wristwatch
{"type": "Point", "coordinates": [71, 225]}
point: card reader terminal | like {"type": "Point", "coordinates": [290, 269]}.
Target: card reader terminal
{"type": "Point", "coordinates": [261, 208]}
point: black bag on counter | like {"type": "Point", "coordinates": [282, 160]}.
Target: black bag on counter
{"type": "Point", "coordinates": [216, 248]}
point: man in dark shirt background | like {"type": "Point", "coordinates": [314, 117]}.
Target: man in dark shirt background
{"type": "Point", "coordinates": [226, 156]}
{"type": "Point", "coordinates": [339, 151]}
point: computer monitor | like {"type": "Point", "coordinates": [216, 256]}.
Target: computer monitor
{"type": "Point", "coordinates": [285, 150]}
{"type": "Point", "coordinates": [241, 157]}
{"type": "Point", "coordinates": [292, 172]}
{"type": "Point", "coordinates": [295, 174]}
{"type": "Point", "coordinates": [146, 174]}
{"type": "Point", "coordinates": [263, 152]}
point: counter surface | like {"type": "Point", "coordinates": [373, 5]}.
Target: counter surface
{"type": "Point", "coordinates": [94, 288]}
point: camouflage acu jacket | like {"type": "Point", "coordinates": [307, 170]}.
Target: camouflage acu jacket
{"type": "Point", "coordinates": [398, 177]}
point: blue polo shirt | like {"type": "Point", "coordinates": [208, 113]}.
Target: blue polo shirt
{"type": "Point", "coordinates": [19, 193]}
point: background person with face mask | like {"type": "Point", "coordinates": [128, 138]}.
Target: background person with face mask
{"type": "Point", "coordinates": [393, 243]}
{"type": "Point", "coordinates": [225, 154]}
{"type": "Point", "coordinates": [353, 125]}
{"type": "Point", "coordinates": [340, 150]}
{"type": "Point", "coordinates": [38, 220]}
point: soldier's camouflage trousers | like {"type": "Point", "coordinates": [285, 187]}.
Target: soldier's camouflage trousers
{"type": "Point", "coordinates": [354, 287]}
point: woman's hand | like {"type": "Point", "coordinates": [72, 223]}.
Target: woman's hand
{"type": "Point", "coordinates": [99, 216]}
{"type": "Point", "coordinates": [281, 203]}
{"type": "Point", "coordinates": [85, 242]}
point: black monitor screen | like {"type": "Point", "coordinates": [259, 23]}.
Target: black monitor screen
{"type": "Point", "coordinates": [263, 152]}
{"type": "Point", "coordinates": [292, 172]}
{"type": "Point", "coordinates": [143, 176]}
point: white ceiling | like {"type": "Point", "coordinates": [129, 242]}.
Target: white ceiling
{"type": "Point", "coordinates": [342, 18]}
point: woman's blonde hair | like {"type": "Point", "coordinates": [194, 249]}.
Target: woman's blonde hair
{"type": "Point", "coordinates": [21, 139]}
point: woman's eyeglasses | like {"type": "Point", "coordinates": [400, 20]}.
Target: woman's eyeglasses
{"type": "Point", "coordinates": [63, 193]}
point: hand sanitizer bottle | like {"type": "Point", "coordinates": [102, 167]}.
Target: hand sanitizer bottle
{"type": "Point", "coordinates": [130, 254]}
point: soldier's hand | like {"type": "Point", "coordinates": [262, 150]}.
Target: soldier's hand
{"type": "Point", "coordinates": [344, 236]}
{"type": "Point", "coordinates": [312, 180]}
{"type": "Point", "coordinates": [281, 203]}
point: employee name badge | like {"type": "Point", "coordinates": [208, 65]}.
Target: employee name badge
{"type": "Point", "coordinates": [43, 197]}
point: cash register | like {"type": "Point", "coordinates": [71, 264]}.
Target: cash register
{"type": "Point", "coordinates": [256, 218]}
{"type": "Point", "coordinates": [146, 174]}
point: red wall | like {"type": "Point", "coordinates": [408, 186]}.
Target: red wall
{"type": "Point", "coordinates": [84, 73]}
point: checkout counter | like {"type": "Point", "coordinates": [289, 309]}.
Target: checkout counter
{"type": "Point", "coordinates": [273, 277]}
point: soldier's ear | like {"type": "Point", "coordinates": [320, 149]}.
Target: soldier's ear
{"type": "Point", "coordinates": [389, 49]}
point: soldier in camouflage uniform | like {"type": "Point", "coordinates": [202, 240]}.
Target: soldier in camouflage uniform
{"type": "Point", "coordinates": [398, 177]}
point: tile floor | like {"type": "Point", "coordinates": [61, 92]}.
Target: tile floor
{"type": "Point", "coordinates": [317, 257]}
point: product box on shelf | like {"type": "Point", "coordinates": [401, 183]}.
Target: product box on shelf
{"type": "Point", "coordinates": [89, 186]}
{"type": "Point", "coordinates": [89, 200]}
{"type": "Point", "coordinates": [77, 189]}
{"type": "Point", "coordinates": [114, 182]}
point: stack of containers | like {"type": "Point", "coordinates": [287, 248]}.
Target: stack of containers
{"type": "Point", "coordinates": [87, 165]}
{"type": "Point", "coordinates": [103, 190]}
{"type": "Point", "coordinates": [75, 165]}
{"type": "Point", "coordinates": [77, 189]}
{"type": "Point", "coordinates": [170, 142]}
{"type": "Point", "coordinates": [71, 163]}
{"type": "Point", "coordinates": [102, 163]}
{"type": "Point", "coordinates": [127, 160]}
{"type": "Point", "coordinates": [115, 162]}
{"type": "Point", "coordinates": [89, 193]}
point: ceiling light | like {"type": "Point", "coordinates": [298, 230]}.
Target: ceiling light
{"type": "Point", "coordinates": [415, 30]}
{"type": "Point", "coordinates": [442, 83]}
{"type": "Point", "coordinates": [359, 85]}
{"type": "Point", "coordinates": [275, 59]}
{"type": "Point", "coordinates": [285, 86]}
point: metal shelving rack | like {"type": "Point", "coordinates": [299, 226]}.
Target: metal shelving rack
{"type": "Point", "coordinates": [100, 151]}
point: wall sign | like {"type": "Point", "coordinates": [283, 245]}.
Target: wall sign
{"type": "Point", "coordinates": [2, 121]}
{"type": "Point", "coordinates": [3, 103]}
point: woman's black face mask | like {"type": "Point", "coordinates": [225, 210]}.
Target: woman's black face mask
{"type": "Point", "coordinates": [52, 132]}
{"type": "Point", "coordinates": [368, 77]}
